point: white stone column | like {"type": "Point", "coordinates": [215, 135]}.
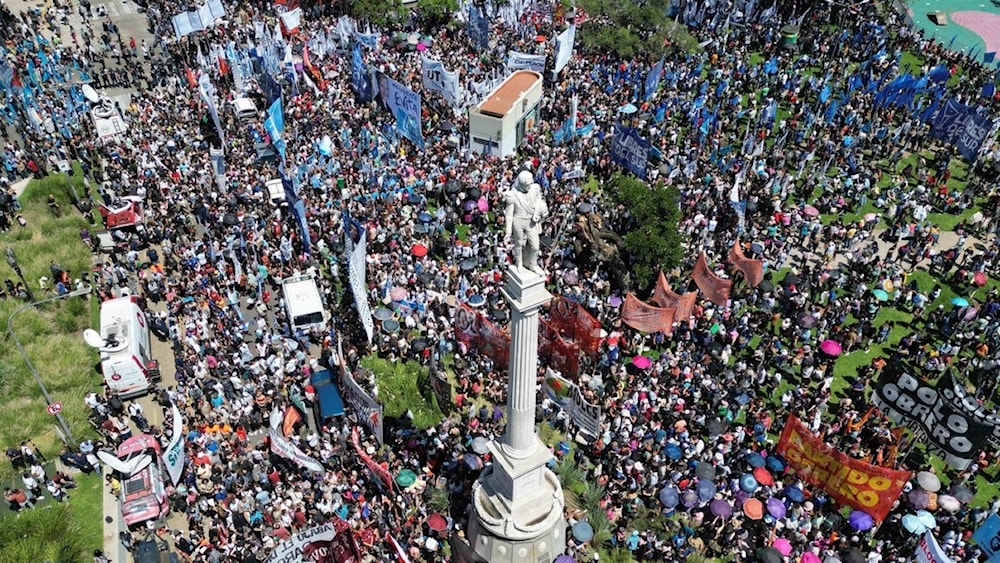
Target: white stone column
{"type": "Point", "coordinates": [522, 370]}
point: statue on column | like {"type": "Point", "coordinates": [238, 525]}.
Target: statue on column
{"type": "Point", "coordinates": [523, 221]}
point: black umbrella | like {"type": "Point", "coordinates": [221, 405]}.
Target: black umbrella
{"type": "Point", "coordinates": [453, 187]}
{"type": "Point", "coordinates": [446, 126]}
{"type": "Point", "coordinates": [979, 246]}
{"type": "Point", "coordinates": [714, 427]}
{"type": "Point", "coordinates": [545, 242]}
{"type": "Point", "coordinates": [769, 555]}
{"type": "Point", "coordinates": [705, 471]}
{"type": "Point", "coordinates": [229, 220]}
{"type": "Point", "coordinates": [419, 345]}
{"type": "Point", "coordinates": [806, 319]}
{"type": "Point", "coordinates": [467, 264]}
{"type": "Point", "coordinates": [425, 278]}
{"type": "Point", "coordinates": [585, 207]}
{"type": "Point", "coordinates": [766, 286]}
{"type": "Point", "coordinates": [475, 192]}
{"type": "Point", "coordinates": [853, 555]}
{"type": "Point", "coordinates": [791, 279]}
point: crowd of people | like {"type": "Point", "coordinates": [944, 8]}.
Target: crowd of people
{"type": "Point", "coordinates": [218, 250]}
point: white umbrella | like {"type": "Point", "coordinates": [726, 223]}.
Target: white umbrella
{"type": "Point", "coordinates": [948, 503]}
{"type": "Point", "coordinates": [929, 481]}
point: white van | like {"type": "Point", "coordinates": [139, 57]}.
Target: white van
{"type": "Point", "coordinates": [126, 362]}
{"type": "Point", "coordinates": [275, 191]}
{"type": "Point", "coordinates": [245, 109]}
{"type": "Point", "coordinates": [303, 303]}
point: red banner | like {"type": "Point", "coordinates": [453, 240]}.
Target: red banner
{"type": "Point", "coordinates": [716, 289]}
{"type": "Point", "coordinates": [645, 317]}
{"type": "Point", "coordinates": [752, 269]}
{"type": "Point", "coordinates": [849, 481]}
{"type": "Point", "coordinates": [561, 354]}
{"type": "Point", "coordinates": [292, 417]}
{"type": "Point", "coordinates": [474, 329]}
{"type": "Point", "coordinates": [576, 323]}
{"type": "Point", "coordinates": [376, 468]}
{"type": "Point", "coordinates": [314, 73]}
{"type": "Point", "coordinates": [665, 297]}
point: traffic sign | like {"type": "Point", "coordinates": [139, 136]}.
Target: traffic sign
{"type": "Point", "coordinates": [54, 408]}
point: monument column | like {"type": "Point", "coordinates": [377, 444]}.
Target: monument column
{"type": "Point", "coordinates": [517, 501]}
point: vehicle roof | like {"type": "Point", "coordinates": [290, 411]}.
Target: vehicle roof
{"type": "Point", "coordinates": [501, 100]}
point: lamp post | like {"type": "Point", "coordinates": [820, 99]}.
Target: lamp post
{"type": "Point", "coordinates": [24, 355]}
{"type": "Point", "coordinates": [12, 260]}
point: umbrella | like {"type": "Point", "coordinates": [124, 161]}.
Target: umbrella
{"type": "Point", "coordinates": [641, 362]}
{"type": "Point", "coordinates": [479, 445]}
{"type": "Point", "coordinates": [405, 478]}
{"type": "Point", "coordinates": [783, 546]}
{"type": "Point", "coordinates": [979, 279]}
{"type": "Point", "coordinates": [861, 520]}
{"type": "Point", "coordinates": [720, 507]}
{"type": "Point", "coordinates": [776, 508]}
{"type": "Point", "coordinates": [962, 493]}
{"type": "Point", "coordinates": [564, 559]}
{"type": "Point", "coordinates": [585, 207]}
{"type": "Point", "coordinates": [571, 277]}
{"type": "Point", "coordinates": [948, 503]}
{"type": "Point", "coordinates": [705, 471]}
{"type": "Point", "coordinates": [706, 490]}
{"type": "Point", "coordinates": [794, 494]}
{"type": "Point", "coordinates": [770, 555]}
{"type": "Point", "coordinates": [473, 461]}
{"type": "Point", "coordinates": [477, 301]}
{"type": "Point", "coordinates": [959, 301]}
{"type": "Point", "coordinates": [467, 264]}
{"type": "Point", "coordinates": [917, 525]}
{"type": "Point", "coordinates": [748, 483]}
{"type": "Point", "coordinates": [806, 319]}
{"type": "Point", "coordinates": [765, 286]}
{"type": "Point", "coordinates": [775, 463]}
{"type": "Point", "coordinates": [881, 294]}
{"type": "Point", "coordinates": [918, 498]}
{"type": "Point", "coordinates": [669, 496]}
{"type": "Point", "coordinates": [831, 347]}
{"type": "Point", "coordinates": [382, 314]}
{"type": "Point", "coordinates": [398, 293]}
{"type": "Point", "coordinates": [854, 555]}
{"type": "Point", "coordinates": [810, 557]}
{"type": "Point", "coordinates": [446, 126]}
{"type": "Point", "coordinates": [482, 204]}
{"type": "Point", "coordinates": [390, 326]}
{"type": "Point", "coordinates": [583, 532]}
{"type": "Point", "coordinates": [870, 217]}
{"type": "Point", "coordinates": [714, 427]}
{"type": "Point", "coordinates": [418, 250]}
{"type": "Point", "coordinates": [929, 481]}
{"type": "Point", "coordinates": [755, 459]}
{"type": "Point", "coordinates": [672, 451]}
{"type": "Point", "coordinates": [757, 248]}
{"type": "Point", "coordinates": [540, 39]}
{"type": "Point", "coordinates": [437, 522]}
{"type": "Point", "coordinates": [418, 344]}
{"type": "Point", "coordinates": [628, 109]}
{"type": "Point", "coordinates": [615, 301]}
{"type": "Point", "coordinates": [762, 476]}
{"type": "Point", "coordinates": [790, 279]}
{"type": "Point", "coordinates": [810, 211]}
{"type": "Point", "coordinates": [470, 205]}
{"type": "Point", "coordinates": [689, 498]}
{"type": "Point", "coordinates": [753, 508]}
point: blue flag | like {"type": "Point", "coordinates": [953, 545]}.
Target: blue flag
{"type": "Point", "coordinates": [989, 57]}
{"type": "Point", "coordinates": [653, 79]}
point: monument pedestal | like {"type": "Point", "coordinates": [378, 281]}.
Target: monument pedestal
{"type": "Point", "coordinates": [517, 501]}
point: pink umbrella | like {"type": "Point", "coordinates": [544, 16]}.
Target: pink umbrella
{"type": "Point", "coordinates": [397, 293]}
{"type": "Point", "coordinates": [870, 217]}
{"type": "Point", "coordinates": [641, 362]}
{"type": "Point", "coordinates": [810, 211]}
{"type": "Point", "coordinates": [831, 347]}
{"type": "Point", "coordinates": [483, 205]}
{"type": "Point", "coordinates": [979, 279]}
{"type": "Point", "coordinates": [421, 47]}
{"type": "Point", "coordinates": [783, 547]}
{"type": "Point", "coordinates": [810, 557]}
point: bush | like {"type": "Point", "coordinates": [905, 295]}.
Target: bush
{"type": "Point", "coordinates": [43, 534]}
{"type": "Point", "coordinates": [400, 391]}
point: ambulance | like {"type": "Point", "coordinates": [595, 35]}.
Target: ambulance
{"type": "Point", "coordinates": [123, 342]}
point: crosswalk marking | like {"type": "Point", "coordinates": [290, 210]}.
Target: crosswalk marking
{"type": "Point", "coordinates": [114, 9]}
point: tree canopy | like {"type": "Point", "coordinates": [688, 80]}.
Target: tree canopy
{"type": "Point", "coordinates": [628, 29]}
{"type": "Point", "coordinates": [651, 240]}
{"type": "Point", "coordinates": [385, 14]}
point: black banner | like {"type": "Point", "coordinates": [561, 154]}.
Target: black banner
{"type": "Point", "coordinates": [955, 434]}
{"type": "Point", "coordinates": [954, 392]}
{"type": "Point", "coordinates": [441, 387]}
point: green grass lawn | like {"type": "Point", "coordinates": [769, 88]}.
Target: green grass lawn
{"type": "Point", "coordinates": [404, 387]}
{"type": "Point", "coordinates": [51, 333]}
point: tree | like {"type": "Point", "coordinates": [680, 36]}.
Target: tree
{"type": "Point", "coordinates": [385, 14]}
{"type": "Point", "coordinates": [436, 12]}
{"type": "Point", "coordinates": [651, 240]}
{"type": "Point", "coordinates": [628, 29]}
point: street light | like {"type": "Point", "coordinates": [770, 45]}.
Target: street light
{"type": "Point", "coordinates": [12, 260]}
{"type": "Point", "coordinates": [24, 355]}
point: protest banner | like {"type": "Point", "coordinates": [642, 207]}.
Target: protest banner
{"type": "Point", "coordinates": [988, 536]}
{"type": "Point", "coordinates": [569, 397]}
{"type": "Point", "coordinates": [752, 269]}
{"type": "Point", "coordinates": [950, 431]}
{"type": "Point", "coordinates": [286, 449]}
{"type": "Point", "coordinates": [954, 392]}
{"type": "Point", "coordinates": [173, 456]}
{"type": "Point", "coordinates": [524, 61]}
{"type": "Point", "coordinates": [367, 410]}
{"type": "Point", "coordinates": [630, 151]}
{"type": "Point", "coordinates": [716, 289]}
{"type": "Point", "coordinates": [561, 354]}
{"type": "Point", "coordinates": [436, 78]}
{"type": "Point", "coordinates": [404, 105]}
{"type": "Point", "coordinates": [645, 317]}
{"type": "Point", "coordinates": [377, 469]}
{"type": "Point", "coordinates": [928, 550]}
{"type": "Point", "coordinates": [476, 331]}
{"type": "Point", "coordinates": [291, 550]}
{"type": "Point", "coordinates": [572, 320]}
{"type": "Point", "coordinates": [849, 481]}
{"type": "Point", "coordinates": [665, 297]}
{"type": "Point", "coordinates": [564, 47]}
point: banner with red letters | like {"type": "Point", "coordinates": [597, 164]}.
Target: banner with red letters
{"type": "Point", "coordinates": [476, 331]}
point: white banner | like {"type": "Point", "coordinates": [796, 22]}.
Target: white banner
{"type": "Point", "coordinates": [356, 271]}
{"type": "Point", "coordinates": [290, 550]}
{"type": "Point", "coordinates": [437, 79]}
{"type": "Point", "coordinates": [286, 449]}
{"type": "Point", "coordinates": [564, 47]}
{"type": "Point", "coordinates": [173, 456]}
{"type": "Point", "coordinates": [928, 550]}
{"type": "Point", "coordinates": [522, 61]}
